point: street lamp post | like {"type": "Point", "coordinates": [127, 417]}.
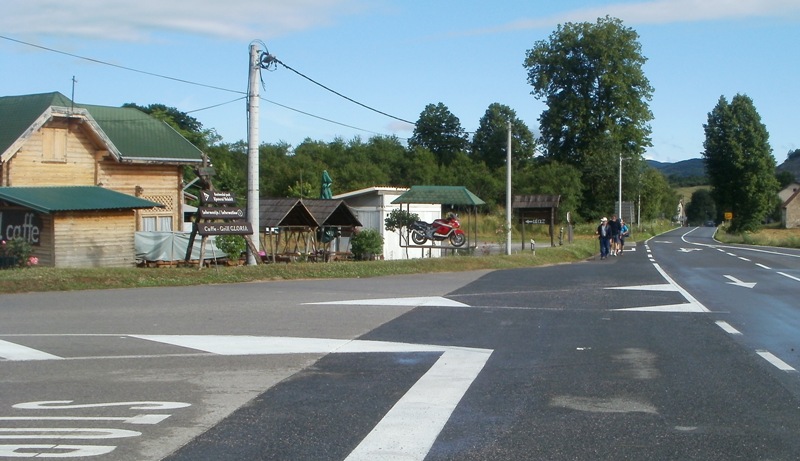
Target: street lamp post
{"type": "Point", "coordinates": [620, 187]}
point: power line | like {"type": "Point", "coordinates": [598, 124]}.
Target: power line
{"type": "Point", "coordinates": [97, 61]}
{"type": "Point", "coordinates": [340, 94]}
{"type": "Point", "coordinates": [322, 118]}
{"type": "Point", "coordinates": [189, 82]}
{"type": "Point", "coordinates": [216, 105]}
{"type": "Point", "coordinates": [152, 74]}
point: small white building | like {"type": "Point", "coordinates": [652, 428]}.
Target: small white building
{"type": "Point", "coordinates": [373, 204]}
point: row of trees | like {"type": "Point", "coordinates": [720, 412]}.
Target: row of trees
{"type": "Point", "coordinates": [596, 123]}
{"type": "Point", "coordinates": [591, 78]}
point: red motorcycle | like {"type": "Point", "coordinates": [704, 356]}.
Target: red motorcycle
{"type": "Point", "coordinates": [441, 229]}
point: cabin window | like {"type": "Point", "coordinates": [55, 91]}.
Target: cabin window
{"type": "Point", "coordinates": [54, 144]}
{"type": "Point", "coordinates": [157, 223]}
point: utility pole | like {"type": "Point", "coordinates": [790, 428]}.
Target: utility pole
{"type": "Point", "coordinates": [508, 191]}
{"type": "Point", "coordinates": [252, 150]}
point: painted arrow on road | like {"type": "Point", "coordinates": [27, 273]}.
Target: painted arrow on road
{"type": "Point", "coordinates": [737, 282]}
{"type": "Point", "coordinates": [689, 250]}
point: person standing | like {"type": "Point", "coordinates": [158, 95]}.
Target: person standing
{"type": "Point", "coordinates": [604, 234]}
{"type": "Point", "coordinates": [624, 231]}
{"type": "Point", "coordinates": [615, 228]}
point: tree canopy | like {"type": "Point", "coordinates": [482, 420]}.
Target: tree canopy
{"type": "Point", "coordinates": [440, 132]}
{"type": "Point", "coordinates": [739, 162]}
{"type": "Point", "coordinates": [490, 142]}
{"type": "Point", "coordinates": [590, 76]}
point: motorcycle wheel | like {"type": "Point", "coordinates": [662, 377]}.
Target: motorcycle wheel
{"type": "Point", "coordinates": [418, 238]}
{"type": "Point", "coordinates": [457, 240]}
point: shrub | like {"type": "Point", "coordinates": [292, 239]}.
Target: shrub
{"type": "Point", "coordinates": [17, 252]}
{"type": "Point", "coordinates": [366, 243]}
{"type": "Point", "coordinates": [232, 245]}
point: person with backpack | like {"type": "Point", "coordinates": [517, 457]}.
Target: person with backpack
{"type": "Point", "coordinates": [624, 231]}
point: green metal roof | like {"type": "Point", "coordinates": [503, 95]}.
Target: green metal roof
{"type": "Point", "coordinates": [445, 195]}
{"type": "Point", "coordinates": [72, 198]}
{"type": "Point", "coordinates": [135, 135]}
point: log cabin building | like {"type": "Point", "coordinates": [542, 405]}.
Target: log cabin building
{"type": "Point", "coordinates": [77, 181]}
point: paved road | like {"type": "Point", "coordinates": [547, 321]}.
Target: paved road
{"type": "Point", "coordinates": [628, 358]}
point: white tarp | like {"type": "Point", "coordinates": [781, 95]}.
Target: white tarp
{"type": "Point", "coordinates": [171, 246]}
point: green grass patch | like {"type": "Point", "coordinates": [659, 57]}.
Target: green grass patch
{"type": "Point", "coordinates": [34, 279]}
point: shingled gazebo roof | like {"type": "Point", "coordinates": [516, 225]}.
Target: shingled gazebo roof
{"type": "Point", "coordinates": [329, 212]}
{"type": "Point", "coordinates": [284, 212]}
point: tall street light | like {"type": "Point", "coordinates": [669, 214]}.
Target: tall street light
{"type": "Point", "coordinates": [620, 187]}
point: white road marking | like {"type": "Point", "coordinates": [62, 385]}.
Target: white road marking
{"type": "Point", "coordinates": [409, 429]}
{"type": "Point", "coordinates": [413, 301]}
{"type": "Point", "coordinates": [790, 276]}
{"type": "Point", "coordinates": [65, 405]}
{"type": "Point", "coordinates": [54, 451]}
{"type": "Point", "coordinates": [138, 419]}
{"type": "Point", "coordinates": [727, 327]}
{"type": "Point", "coordinates": [778, 363]}
{"type": "Point", "coordinates": [763, 266]}
{"type": "Point", "coordinates": [693, 304]}
{"type": "Point", "coordinates": [658, 287]}
{"type": "Point", "coordinates": [12, 351]}
{"type": "Point", "coordinates": [744, 259]}
{"type": "Point", "coordinates": [65, 433]}
{"type": "Point", "coordinates": [737, 282]}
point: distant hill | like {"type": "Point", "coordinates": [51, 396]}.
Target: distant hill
{"type": "Point", "coordinates": [693, 170]}
{"type": "Point", "coordinates": [792, 165]}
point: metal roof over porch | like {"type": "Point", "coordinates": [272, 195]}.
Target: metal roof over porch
{"type": "Point", "coordinates": [49, 199]}
{"type": "Point", "coordinates": [445, 195]}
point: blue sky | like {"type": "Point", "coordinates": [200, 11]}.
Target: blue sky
{"type": "Point", "coordinates": [397, 56]}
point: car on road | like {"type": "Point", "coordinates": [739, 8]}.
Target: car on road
{"type": "Point", "coordinates": [710, 223]}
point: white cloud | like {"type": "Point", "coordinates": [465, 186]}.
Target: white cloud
{"type": "Point", "coordinates": [143, 19]}
{"type": "Point", "coordinates": [664, 12]}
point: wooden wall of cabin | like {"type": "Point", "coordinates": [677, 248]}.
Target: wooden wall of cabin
{"type": "Point", "coordinates": [94, 239]}
{"type": "Point", "coordinates": [155, 182]}
{"type": "Point", "coordinates": [45, 250]}
{"type": "Point", "coordinates": [62, 154]}
{"type": "Point", "coordinates": [56, 155]}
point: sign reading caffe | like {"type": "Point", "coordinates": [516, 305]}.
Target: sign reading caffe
{"type": "Point", "coordinates": [24, 225]}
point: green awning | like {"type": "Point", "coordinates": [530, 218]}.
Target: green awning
{"type": "Point", "coordinates": [445, 195]}
{"type": "Point", "coordinates": [72, 198]}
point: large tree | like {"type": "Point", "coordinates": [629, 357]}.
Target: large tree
{"type": "Point", "coordinates": [439, 131]}
{"type": "Point", "coordinates": [739, 162]}
{"type": "Point", "coordinates": [590, 76]}
{"type": "Point", "coordinates": [490, 142]}
{"type": "Point", "coordinates": [701, 207]}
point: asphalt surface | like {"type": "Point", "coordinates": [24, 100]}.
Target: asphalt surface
{"type": "Point", "coordinates": [632, 357]}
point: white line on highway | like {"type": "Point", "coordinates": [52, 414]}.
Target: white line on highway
{"type": "Point", "coordinates": [408, 430]}
{"type": "Point", "coordinates": [693, 305]}
{"type": "Point", "coordinates": [778, 363]}
{"type": "Point", "coordinates": [763, 266]}
{"type": "Point", "coordinates": [727, 327]}
{"type": "Point", "coordinates": [12, 351]}
{"type": "Point", "coordinates": [790, 276]}
{"type": "Point", "coordinates": [744, 259]}
{"type": "Point", "coordinates": [437, 301]}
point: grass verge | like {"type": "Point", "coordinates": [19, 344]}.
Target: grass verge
{"type": "Point", "coordinates": [35, 279]}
